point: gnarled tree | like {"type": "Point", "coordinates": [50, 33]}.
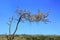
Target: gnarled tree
{"type": "Point", "coordinates": [23, 14]}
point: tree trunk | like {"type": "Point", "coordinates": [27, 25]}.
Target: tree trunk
{"type": "Point", "coordinates": [12, 37]}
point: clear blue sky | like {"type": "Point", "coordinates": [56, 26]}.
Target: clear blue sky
{"type": "Point", "coordinates": [8, 7]}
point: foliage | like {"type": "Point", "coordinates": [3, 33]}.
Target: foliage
{"type": "Point", "coordinates": [39, 16]}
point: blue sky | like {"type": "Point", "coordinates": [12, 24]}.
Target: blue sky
{"type": "Point", "coordinates": [8, 7]}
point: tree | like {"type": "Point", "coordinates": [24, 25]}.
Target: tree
{"type": "Point", "coordinates": [9, 24]}
{"type": "Point", "coordinates": [26, 15]}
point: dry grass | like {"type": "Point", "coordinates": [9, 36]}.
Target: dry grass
{"type": "Point", "coordinates": [31, 37]}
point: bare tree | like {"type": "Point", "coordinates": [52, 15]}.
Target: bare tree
{"type": "Point", "coordinates": [9, 24]}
